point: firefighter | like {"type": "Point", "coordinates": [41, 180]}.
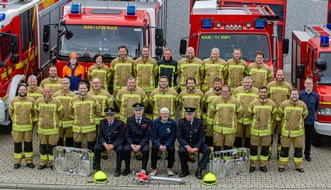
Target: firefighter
{"type": "Point", "coordinates": [190, 67]}
{"type": "Point", "coordinates": [260, 72]}
{"type": "Point", "coordinates": [137, 134]}
{"type": "Point", "coordinates": [163, 136]}
{"type": "Point", "coordinates": [190, 135]}
{"type": "Point", "coordinates": [21, 111]}
{"type": "Point", "coordinates": [224, 114]}
{"type": "Point", "coordinates": [211, 95]}
{"type": "Point", "coordinates": [49, 111]}
{"type": "Point", "coordinates": [168, 67]}
{"type": "Point", "coordinates": [263, 113]}
{"type": "Point", "coordinates": [292, 112]}
{"type": "Point", "coordinates": [74, 71]}
{"type": "Point", "coordinates": [128, 96]}
{"type": "Point", "coordinates": [111, 137]}
{"type": "Point", "coordinates": [99, 70]}
{"type": "Point", "coordinates": [278, 91]}
{"type": "Point", "coordinates": [214, 67]}
{"type": "Point", "coordinates": [83, 109]}
{"type": "Point", "coordinates": [245, 94]}
{"type": "Point", "coordinates": [121, 69]}
{"type": "Point", "coordinates": [33, 90]}
{"type": "Point", "coordinates": [236, 69]}
{"type": "Point", "coordinates": [164, 96]}
{"type": "Point", "coordinates": [65, 130]}
{"type": "Point", "coordinates": [52, 81]}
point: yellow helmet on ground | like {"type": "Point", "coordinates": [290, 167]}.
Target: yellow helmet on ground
{"type": "Point", "coordinates": [100, 177]}
{"type": "Point", "coordinates": [209, 179]}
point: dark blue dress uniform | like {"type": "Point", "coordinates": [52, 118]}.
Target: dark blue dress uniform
{"type": "Point", "coordinates": [163, 134]}
{"type": "Point", "coordinates": [192, 135]}
{"type": "Point", "coordinates": [110, 133]}
{"type": "Point", "coordinates": [139, 134]}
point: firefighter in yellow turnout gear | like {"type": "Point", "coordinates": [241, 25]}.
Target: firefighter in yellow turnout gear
{"type": "Point", "coordinates": [21, 111]}
{"type": "Point", "coordinates": [49, 111]}
{"type": "Point", "coordinates": [236, 69]}
{"type": "Point", "coordinates": [292, 112]}
{"type": "Point", "coordinates": [260, 72]}
{"type": "Point", "coordinates": [52, 81]}
{"type": "Point", "coordinates": [99, 70]}
{"type": "Point", "coordinates": [34, 91]}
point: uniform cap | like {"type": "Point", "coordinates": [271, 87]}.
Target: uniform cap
{"type": "Point", "coordinates": [74, 54]}
{"type": "Point", "coordinates": [189, 110]}
{"type": "Point", "coordinates": [109, 111]}
{"type": "Point", "coordinates": [138, 106]}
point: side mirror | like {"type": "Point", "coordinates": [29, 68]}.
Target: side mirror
{"type": "Point", "coordinates": [46, 33]}
{"type": "Point", "coordinates": [285, 48]}
{"type": "Point", "coordinates": [68, 35]}
{"type": "Point", "coordinates": [182, 48]}
{"type": "Point", "coordinates": [46, 47]}
{"type": "Point", "coordinates": [14, 59]}
{"type": "Point", "coordinates": [158, 51]}
{"type": "Point", "coordinates": [159, 39]}
{"type": "Point", "coordinates": [321, 64]}
{"type": "Point", "coordinates": [299, 72]}
{"type": "Point", "coordinates": [14, 44]}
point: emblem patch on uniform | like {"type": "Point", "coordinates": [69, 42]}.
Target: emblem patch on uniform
{"type": "Point", "coordinates": [168, 130]}
{"type": "Point", "coordinates": [143, 126]}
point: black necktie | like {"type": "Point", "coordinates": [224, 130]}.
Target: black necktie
{"type": "Point", "coordinates": [138, 121]}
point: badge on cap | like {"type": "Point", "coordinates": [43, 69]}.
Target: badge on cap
{"type": "Point", "coordinates": [109, 111]}
{"type": "Point", "coordinates": [138, 106]}
{"type": "Point", "coordinates": [189, 110]}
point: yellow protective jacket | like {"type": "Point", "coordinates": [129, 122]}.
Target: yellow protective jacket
{"type": "Point", "coordinates": [160, 98]}
{"type": "Point", "coordinates": [261, 74]}
{"type": "Point", "coordinates": [292, 115]}
{"type": "Point", "coordinates": [65, 97]}
{"type": "Point", "coordinates": [103, 73]}
{"type": "Point", "coordinates": [213, 69]}
{"type": "Point", "coordinates": [105, 100]}
{"type": "Point", "coordinates": [245, 97]}
{"type": "Point", "coordinates": [237, 70]}
{"type": "Point", "coordinates": [21, 111]}
{"type": "Point", "coordinates": [35, 93]}
{"type": "Point", "coordinates": [121, 70]}
{"type": "Point", "coordinates": [191, 99]}
{"type": "Point", "coordinates": [224, 115]}
{"type": "Point", "coordinates": [146, 72]}
{"type": "Point", "coordinates": [84, 111]}
{"type": "Point", "coordinates": [263, 114]}
{"type": "Point", "coordinates": [49, 113]}
{"type": "Point", "coordinates": [55, 85]}
{"type": "Point", "coordinates": [209, 97]}
{"type": "Point", "coordinates": [190, 68]}
{"type": "Point", "coordinates": [125, 98]}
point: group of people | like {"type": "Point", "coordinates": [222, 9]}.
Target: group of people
{"type": "Point", "coordinates": [223, 105]}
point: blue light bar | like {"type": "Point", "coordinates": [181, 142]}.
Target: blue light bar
{"type": "Point", "coordinates": [2, 16]}
{"type": "Point", "coordinates": [207, 23]}
{"type": "Point", "coordinates": [325, 41]}
{"type": "Point", "coordinates": [328, 25]}
{"type": "Point", "coordinates": [259, 24]}
{"type": "Point", "coordinates": [131, 10]}
{"type": "Point", "coordinates": [75, 8]}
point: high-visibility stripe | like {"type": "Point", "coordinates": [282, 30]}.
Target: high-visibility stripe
{"type": "Point", "coordinates": [18, 155]}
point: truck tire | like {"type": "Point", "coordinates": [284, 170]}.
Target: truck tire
{"type": "Point", "coordinates": [317, 139]}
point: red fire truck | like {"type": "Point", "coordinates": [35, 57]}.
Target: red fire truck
{"type": "Point", "coordinates": [19, 43]}
{"type": "Point", "coordinates": [91, 27]}
{"type": "Point", "coordinates": [246, 24]}
{"type": "Point", "coordinates": [311, 55]}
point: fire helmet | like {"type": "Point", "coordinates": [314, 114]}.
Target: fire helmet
{"type": "Point", "coordinates": [209, 179]}
{"type": "Point", "coordinates": [100, 177]}
{"type": "Point", "coordinates": [74, 54]}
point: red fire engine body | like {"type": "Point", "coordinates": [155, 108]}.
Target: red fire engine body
{"type": "Point", "coordinates": [244, 24]}
{"type": "Point", "coordinates": [311, 55]}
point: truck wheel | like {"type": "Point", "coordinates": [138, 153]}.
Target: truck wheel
{"type": "Point", "coordinates": [317, 138]}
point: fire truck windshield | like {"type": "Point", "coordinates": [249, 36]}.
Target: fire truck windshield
{"type": "Point", "coordinates": [248, 43]}
{"type": "Point", "coordinates": [93, 39]}
{"type": "Point", "coordinates": [326, 75]}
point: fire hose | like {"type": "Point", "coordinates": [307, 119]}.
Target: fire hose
{"type": "Point", "coordinates": [142, 178]}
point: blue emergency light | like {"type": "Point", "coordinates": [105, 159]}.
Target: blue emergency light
{"type": "Point", "coordinates": [207, 23]}
{"type": "Point", "coordinates": [75, 8]}
{"type": "Point", "coordinates": [325, 41]}
{"type": "Point", "coordinates": [2, 16]}
{"type": "Point", "coordinates": [328, 25]}
{"type": "Point", "coordinates": [259, 24]}
{"type": "Point", "coordinates": [131, 10]}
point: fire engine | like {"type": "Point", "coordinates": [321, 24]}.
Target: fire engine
{"type": "Point", "coordinates": [311, 54]}
{"type": "Point", "coordinates": [245, 24]}
{"type": "Point", "coordinates": [91, 27]}
{"type": "Point", "coordinates": [20, 56]}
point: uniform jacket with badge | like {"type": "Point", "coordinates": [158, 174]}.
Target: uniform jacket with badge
{"type": "Point", "coordinates": [138, 133]}
{"type": "Point", "coordinates": [192, 135]}
{"type": "Point", "coordinates": [113, 134]}
{"type": "Point", "coordinates": [163, 133]}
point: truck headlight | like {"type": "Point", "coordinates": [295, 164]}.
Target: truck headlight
{"type": "Point", "coordinates": [324, 111]}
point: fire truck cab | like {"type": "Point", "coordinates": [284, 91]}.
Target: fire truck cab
{"type": "Point", "coordinates": [311, 55]}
